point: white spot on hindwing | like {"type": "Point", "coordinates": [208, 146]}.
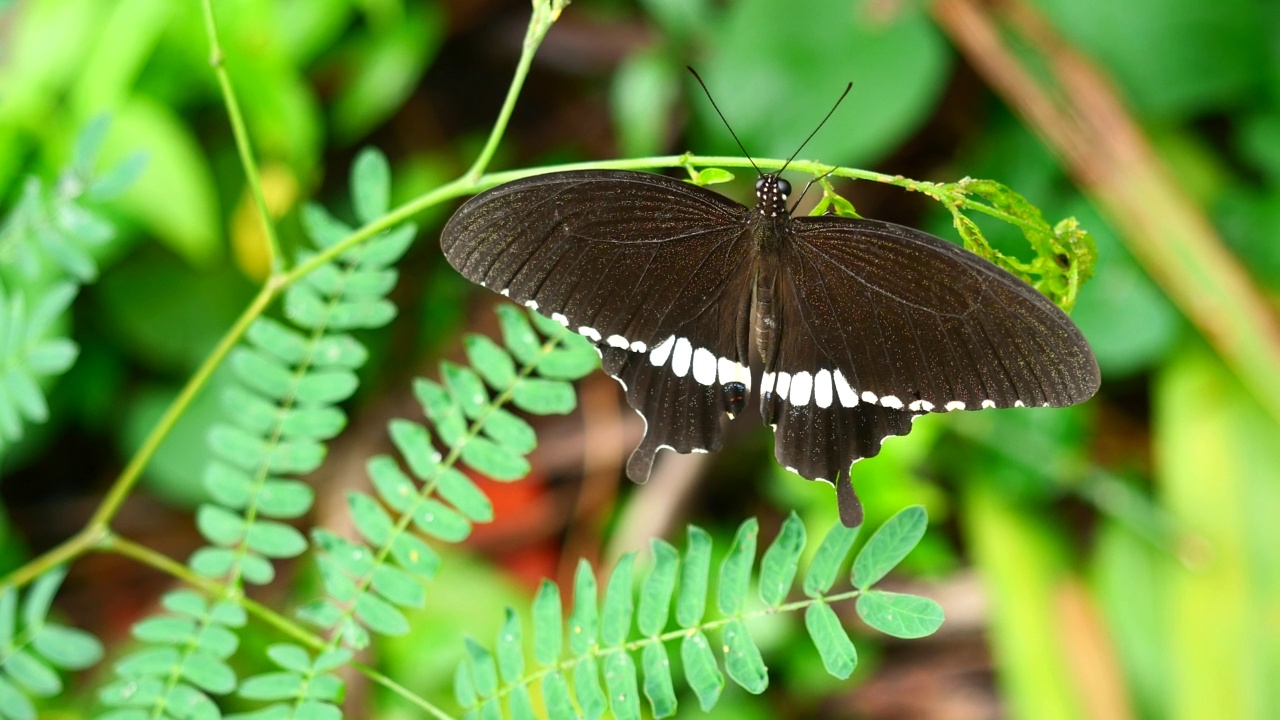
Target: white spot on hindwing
{"type": "Point", "coordinates": [637, 346]}
{"type": "Point", "coordinates": [560, 319]}
{"type": "Point", "coordinates": [589, 333]}
{"type": "Point", "coordinates": [801, 388]}
{"type": "Point", "coordinates": [506, 292]}
{"type": "Point", "coordinates": [822, 388]}
{"type": "Point", "coordinates": [784, 383]}
{"type": "Point", "coordinates": [766, 383]}
{"type": "Point", "coordinates": [869, 397]}
{"type": "Point", "coordinates": [1018, 403]}
{"type": "Point", "coordinates": [616, 341]}
{"type": "Point", "coordinates": [955, 405]}
{"type": "Point", "coordinates": [531, 304]}
{"type": "Point", "coordinates": [987, 404]}
{"type": "Point", "coordinates": [918, 405]}
{"type": "Point", "coordinates": [681, 357]}
{"type": "Point", "coordinates": [658, 356]}
{"type": "Point", "coordinates": [728, 371]}
{"type": "Point", "coordinates": [704, 366]}
{"type": "Point", "coordinates": [848, 396]}
{"type": "Point", "coordinates": [891, 401]}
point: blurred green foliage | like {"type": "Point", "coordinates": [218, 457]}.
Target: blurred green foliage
{"type": "Point", "coordinates": [1134, 533]}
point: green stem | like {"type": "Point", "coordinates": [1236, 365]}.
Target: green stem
{"type": "Point", "coordinates": [217, 60]}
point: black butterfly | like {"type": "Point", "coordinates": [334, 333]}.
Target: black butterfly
{"type": "Point", "coordinates": [862, 325]}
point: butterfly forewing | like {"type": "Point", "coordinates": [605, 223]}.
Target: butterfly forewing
{"type": "Point", "coordinates": [655, 271]}
{"type": "Point", "coordinates": [913, 322]}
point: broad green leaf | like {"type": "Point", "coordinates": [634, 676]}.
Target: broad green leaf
{"type": "Point", "coordinates": [839, 656]}
{"type": "Point", "coordinates": [584, 620]}
{"type": "Point", "coordinates": [828, 559]}
{"type": "Point", "coordinates": [338, 351]}
{"type": "Point", "coordinates": [462, 493]}
{"type": "Point", "coordinates": [271, 686]}
{"type": "Point", "coordinates": [655, 596]}
{"type": "Point", "coordinates": [510, 431]}
{"type": "Point", "coordinates": [285, 499]}
{"type": "Point", "coordinates": [398, 586]}
{"type": "Point", "coordinates": [555, 695]}
{"type": "Point", "coordinates": [185, 602]}
{"type": "Point", "coordinates": [491, 361]}
{"type": "Point", "coordinates": [220, 526]}
{"type": "Point", "coordinates": [548, 633]}
{"type": "Point", "coordinates": [464, 687]}
{"type": "Point", "coordinates": [700, 669]}
{"type": "Point", "coordinates": [484, 671]}
{"type": "Point", "coordinates": [379, 615]}
{"type": "Point", "coordinates": [620, 679]}
{"type": "Point", "coordinates": [615, 615]}
{"type": "Point", "coordinates": [212, 562]}
{"type": "Point", "coordinates": [904, 616]}
{"type": "Point", "coordinates": [393, 486]}
{"type": "Point", "coordinates": [31, 674]}
{"type": "Point", "coordinates": [586, 686]}
{"type": "Point", "coordinates": [642, 95]}
{"type": "Point", "coordinates": [518, 335]}
{"type": "Point", "coordinates": [290, 657]}
{"type": "Point", "coordinates": [440, 521]}
{"type": "Point", "coordinates": [493, 460]}
{"type": "Point", "coordinates": [888, 546]}
{"type": "Point", "coordinates": [414, 443]}
{"type": "Point", "coordinates": [742, 658]}
{"type": "Point", "coordinates": [519, 706]}
{"type": "Point", "coordinates": [657, 680]}
{"type": "Point", "coordinates": [370, 185]}
{"type": "Point", "coordinates": [544, 397]}
{"type": "Point", "coordinates": [691, 603]}
{"type": "Point", "coordinates": [510, 649]}
{"type": "Point", "coordinates": [67, 648]}
{"type": "Point", "coordinates": [735, 570]}
{"type": "Point", "coordinates": [208, 673]}
{"type": "Point", "coordinates": [227, 485]}
{"type": "Point", "coordinates": [275, 539]}
{"type": "Point", "coordinates": [466, 387]}
{"type": "Point", "coordinates": [326, 387]}
{"type": "Point", "coordinates": [373, 522]}
{"type": "Point", "coordinates": [778, 567]}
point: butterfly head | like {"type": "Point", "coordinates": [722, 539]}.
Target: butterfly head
{"type": "Point", "coordinates": [771, 196]}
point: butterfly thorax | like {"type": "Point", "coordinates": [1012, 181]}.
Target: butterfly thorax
{"type": "Point", "coordinates": [770, 221]}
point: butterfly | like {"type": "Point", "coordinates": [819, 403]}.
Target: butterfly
{"type": "Point", "coordinates": [861, 325]}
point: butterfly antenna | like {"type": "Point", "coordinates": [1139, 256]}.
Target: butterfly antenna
{"type": "Point", "coordinates": [809, 185]}
{"type": "Point", "coordinates": [698, 77]}
{"type": "Point", "coordinates": [844, 94]}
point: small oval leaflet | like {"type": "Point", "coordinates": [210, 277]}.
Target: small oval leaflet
{"type": "Point", "coordinates": [861, 325]}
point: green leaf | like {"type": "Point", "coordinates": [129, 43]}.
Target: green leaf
{"type": "Point", "coordinates": [700, 669]}
{"type": "Point", "coordinates": [839, 656]}
{"type": "Point", "coordinates": [828, 559]}
{"type": "Point", "coordinates": [35, 607]}
{"type": "Point", "coordinates": [164, 630]}
{"type": "Point", "coordinates": [15, 702]}
{"type": "Point", "coordinates": [31, 674]}
{"type": "Point", "coordinates": [615, 615]}
{"type": "Point", "coordinates": [742, 658]}
{"type": "Point", "coordinates": [778, 568]}
{"type": "Point", "coordinates": [271, 686]}
{"type": "Point", "coordinates": [466, 387]}
{"type": "Point", "coordinates": [67, 648]}
{"type": "Point", "coordinates": [275, 539]}
{"type": "Point", "coordinates": [568, 363]}
{"type": "Point", "coordinates": [518, 334]}
{"type": "Point", "coordinates": [888, 546]}
{"type": "Point", "coordinates": [510, 431]}
{"type": "Point", "coordinates": [290, 657]}
{"type": "Point", "coordinates": [899, 615]}
{"type": "Point", "coordinates": [370, 185]}
{"type": "Point", "coordinates": [583, 621]}
{"type": "Point", "coordinates": [414, 443]}
{"type": "Point", "coordinates": [443, 411]}
{"type": "Point", "coordinates": [519, 706]}
{"type": "Point", "coordinates": [657, 680]}
{"type": "Point", "coordinates": [285, 498]}
{"type": "Point", "coordinates": [491, 361]}
{"type": "Point", "coordinates": [220, 526]}
{"type": "Point", "coordinates": [484, 671]}
{"type": "Point", "coordinates": [586, 685]}
{"type": "Point", "coordinates": [414, 555]}
{"type": "Point", "coordinates": [510, 650]}
{"type": "Point", "coordinates": [645, 87]}
{"type": "Point", "coordinates": [398, 586]}
{"type": "Point", "coordinates": [735, 570]}
{"type": "Point", "coordinates": [370, 518]}
{"type": "Point", "coordinates": [555, 696]}
{"type": "Point", "coordinates": [493, 460]}
{"type": "Point", "coordinates": [691, 603]}
{"type": "Point", "coordinates": [347, 556]}
{"type": "Point", "coordinates": [544, 397]}
{"type": "Point", "coordinates": [464, 688]}
{"type": "Point", "coordinates": [208, 673]}
{"type": "Point", "coordinates": [547, 631]}
{"type": "Point", "coordinates": [379, 615]}
{"type": "Point", "coordinates": [655, 596]}
{"type": "Point", "coordinates": [393, 486]}
{"type": "Point", "coordinates": [620, 679]}
{"type": "Point", "coordinates": [440, 521]}
{"type": "Point", "coordinates": [462, 493]}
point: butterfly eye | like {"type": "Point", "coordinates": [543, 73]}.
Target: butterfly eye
{"type": "Point", "coordinates": [784, 188]}
{"type": "Point", "coordinates": [760, 184]}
